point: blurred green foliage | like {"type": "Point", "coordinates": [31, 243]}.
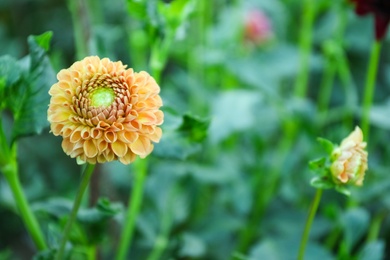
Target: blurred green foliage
{"type": "Point", "coordinates": [228, 103]}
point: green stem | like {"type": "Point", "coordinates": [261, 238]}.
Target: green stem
{"type": "Point", "coordinates": [162, 239]}
{"type": "Point", "coordinates": [305, 44]}
{"type": "Point", "coordinates": [133, 209]}
{"type": "Point", "coordinates": [11, 174]}
{"type": "Point", "coordinates": [375, 227]}
{"type": "Point", "coordinates": [370, 86]}
{"type": "Point", "coordinates": [81, 27]}
{"type": "Point", "coordinates": [159, 55]}
{"type": "Point", "coordinates": [76, 205]}
{"type": "Point", "coordinates": [326, 85]}
{"type": "Point", "coordinates": [309, 221]}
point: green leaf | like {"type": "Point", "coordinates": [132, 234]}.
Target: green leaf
{"type": "Point", "coordinates": [9, 70]}
{"type": "Point", "coordinates": [102, 211]}
{"type": "Point", "coordinates": [355, 223]}
{"type": "Point", "coordinates": [321, 183]}
{"type": "Point", "coordinates": [47, 254]}
{"type": "Point", "coordinates": [10, 74]}
{"type": "Point", "coordinates": [343, 189]}
{"type": "Point", "coordinates": [94, 221]}
{"type": "Point", "coordinates": [176, 12]}
{"type": "Point", "coordinates": [44, 39]}
{"type": "Point", "coordinates": [31, 98]}
{"type": "Point", "coordinates": [374, 250]}
{"type": "Point", "coordinates": [318, 165]}
{"type": "Point", "coordinates": [182, 135]}
{"type": "Point", "coordinates": [194, 127]}
{"type": "Point", "coordinates": [328, 145]}
{"type": "Point", "coordinates": [137, 8]}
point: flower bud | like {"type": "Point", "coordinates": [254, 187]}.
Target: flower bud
{"type": "Point", "coordinates": [349, 160]}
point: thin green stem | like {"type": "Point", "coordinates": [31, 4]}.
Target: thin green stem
{"type": "Point", "coordinates": [305, 45]}
{"type": "Point", "coordinates": [159, 55]}
{"type": "Point", "coordinates": [326, 86]}
{"type": "Point", "coordinates": [370, 86]}
{"type": "Point", "coordinates": [375, 226]}
{"type": "Point", "coordinates": [309, 221]}
{"type": "Point", "coordinates": [11, 174]}
{"type": "Point", "coordinates": [162, 239]}
{"type": "Point", "coordinates": [81, 27]}
{"type": "Point", "coordinates": [133, 208]}
{"type": "Point", "coordinates": [76, 205]}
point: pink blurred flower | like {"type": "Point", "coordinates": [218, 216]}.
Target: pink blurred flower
{"type": "Point", "coordinates": [257, 27]}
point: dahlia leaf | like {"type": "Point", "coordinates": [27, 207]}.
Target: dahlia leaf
{"type": "Point", "coordinates": [137, 8]}
{"type": "Point", "coordinates": [95, 220]}
{"type": "Point", "coordinates": [176, 12]}
{"type": "Point", "coordinates": [182, 135]}
{"type": "Point", "coordinates": [326, 144]}
{"type": "Point", "coordinates": [10, 74]}
{"type": "Point", "coordinates": [321, 183]}
{"type": "Point", "coordinates": [9, 70]}
{"type": "Point", "coordinates": [318, 165]}
{"type": "Point", "coordinates": [32, 96]}
{"type": "Point", "coordinates": [344, 190]}
{"type": "Point", "coordinates": [194, 127]}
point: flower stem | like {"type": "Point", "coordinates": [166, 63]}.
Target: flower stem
{"type": "Point", "coordinates": [375, 226]}
{"type": "Point", "coordinates": [162, 240]}
{"type": "Point", "coordinates": [370, 87]}
{"type": "Point", "coordinates": [133, 209]}
{"type": "Point", "coordinates": [82, 27]}
{"type": "Point", "coordinates": [309, 221]}
{"type": "Point", "coordinates": [305, 43]}
{"type": "Point", "coordinates": [11, 174]}
{"type": "Point", "coordinates": [76, 205]}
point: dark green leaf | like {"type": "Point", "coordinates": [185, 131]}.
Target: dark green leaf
{"type": "Point", "coordinates": [176, 12]}
{"type": "Point", "coordinates": [103, 211]}
{"type": "Point", "coordinates": [194, 127]}
{"type": "Point", "coordinates": [174, 145]}
{"type": "Point", "coordinates": [343, 189]}
{"type": "Point", "coordinates": [94, 221]}
{"type": "Point", "coordinates": [43, 40]}
{"type": "Point", "coordinates": [321, 183]}
{"type": "Point", "coordinates": [374, 250]}
{"type": "Point", "coordinates": [328, 145]}
{"type": "Point", "coordinates": [30, 106]}
{"type": "Point", "coordinates": [182, 135]}
{"type": "Point", "coordinates": [318, 165]}
{"type": "Point", "coordinates": [47, 254]}
{"type": "Point", "coordinates": [137, 8]}
{"type": "Point", "coordinates": [9, 70]}
{"type": "Point", "coordinates": [355, 223]}
{"type": "Point", "coordinates": [191, 246]}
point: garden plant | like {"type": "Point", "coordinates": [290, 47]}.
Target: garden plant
{"type": "Point", "coordinates": [194, 129]}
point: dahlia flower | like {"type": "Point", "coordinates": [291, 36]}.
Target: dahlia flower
{"type": "Point", "coordinates": [381, 11]}
{"type": "Point", "coordinates": [349, 160]}
{"type": "Point", "coordinates": [257, 27]}
{"type": "Point", "coordinates": [105, 112]}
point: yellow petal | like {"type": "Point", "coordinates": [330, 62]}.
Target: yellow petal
{"type": "Point", "coordinates": [127, 137]}
{"type": "Point", "coordinates": [141, 146]}
{"type": "Point", "coordinates": [119, 148]}
{"type": "Point", "coordinates": [110, 136]}
{"type": "Point", "coordinates": [59, 116]}
{"type": "Point", "coordinates": [128, 158]}
{"type": "Point", "coordinates": [90, 148]}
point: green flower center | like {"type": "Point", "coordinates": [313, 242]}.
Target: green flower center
{"type": "Point", "coordinates": [102, 97]}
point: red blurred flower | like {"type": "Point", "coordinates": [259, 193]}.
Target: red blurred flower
{"type": "Point", "coordinates": [381, 11]}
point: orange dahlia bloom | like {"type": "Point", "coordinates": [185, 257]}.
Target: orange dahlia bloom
{"type": "Point", "coordinates": [105, 112]}
{"type": "Point", "coordinates": [350, 159]}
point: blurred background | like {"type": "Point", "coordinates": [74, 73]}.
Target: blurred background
{"type": "Point", "coordinates": [229, 178]}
